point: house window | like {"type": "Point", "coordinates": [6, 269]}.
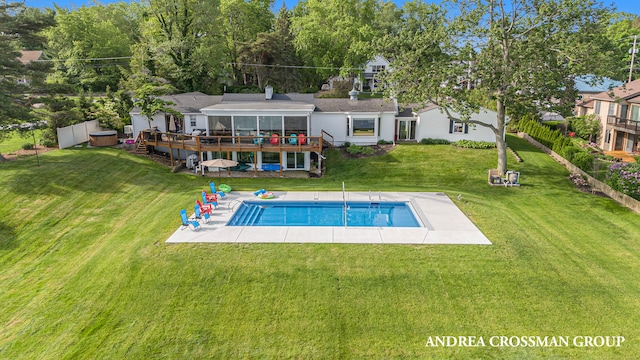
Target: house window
{"type": "Point", "coordinates": [607, 136]}
{"type": "Point", "coordinates": [457, 127]}
{"type": "Point", "coordinates": [364, 127]}
{"type": "Point", "coordinates": [377, 68]}
{"type": "Point", "coordinates": [635, 112]}
{"type": "Point", "coordinates": [612, 109]}
{"type": "Point", "coordinates": [597, 110]}
{"type": "Point", "coordinates": [192, 120]}
{"type": "Point", "coordinates": [270, 125]}
{"type": "Point", "coordinates": [295, 160]}
{"type": "Point", "coordinates": [295, 125]}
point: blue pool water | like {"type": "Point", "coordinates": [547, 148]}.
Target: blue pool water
{"type": "Point", "coordinates": [324, 213]}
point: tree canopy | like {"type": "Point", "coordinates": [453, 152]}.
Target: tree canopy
{"type": "Point", "coordinates": [521, 54]}
{"type": "Point", "coordinates": [19, 28]}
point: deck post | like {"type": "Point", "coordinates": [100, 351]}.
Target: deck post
{"type": "Point", "coordinates": [171, 149]}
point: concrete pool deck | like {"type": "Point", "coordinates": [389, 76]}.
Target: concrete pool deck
{"type": "Point", "coordinates": [442, 222]}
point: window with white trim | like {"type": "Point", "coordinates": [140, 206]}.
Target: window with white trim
{"type": "Point", "coordinates": [458, 127]}
{"type": "Point", "coordinates": [612, 109]}
{"type": "Point", "coordinates": [597, 110]}
{"type": "Point", "coordinates": [364, 127]}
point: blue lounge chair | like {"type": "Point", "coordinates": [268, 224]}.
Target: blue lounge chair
{"type": "Point", "coordinates": [191, 224]}
{"type": "Point", "coordinates": [212, 186]}
{"type": "Point", "coordinates": [205, 218]}
{"type": "Point", "coordinates": [293, 140]}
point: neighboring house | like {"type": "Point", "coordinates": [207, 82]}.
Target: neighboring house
{"type": "Point", "coordinates": [618, 110]}
{"type": "Point", "coordinates": [371, 69]}
{"type": "Point", "coordinates": [587, 87]}
{"type": "Point", "coordinates": [240, 120]}
{"type": "Point", "coordinates": [27, 57]}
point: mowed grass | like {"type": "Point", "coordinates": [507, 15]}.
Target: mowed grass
{"type": "Point", "coordinates": [85, 273]}
{"type": "Point", "coordinates": [14, 140]}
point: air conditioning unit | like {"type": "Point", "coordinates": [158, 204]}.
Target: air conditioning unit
{"type": "Point", "coordinates": [128, 130]}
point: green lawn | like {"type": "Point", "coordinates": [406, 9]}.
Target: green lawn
{"type": "Point", "coordinates": [15, 140]}
{"type": "Point", "coordinates": [85, 273]}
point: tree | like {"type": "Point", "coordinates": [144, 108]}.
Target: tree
{"type": "Point", "coordinates": [331, 34]}
{"type": "Point", "coordinates": [147, 98]}
{"type": "Point", "coordinates": [19, 27]}
{"type": "Point", "coordinates": [103, 33]}
{"type": "Point", "coordinates": [180, 42]}
{"type": "Point", "coordinates": [521, 53]}
{"type": "Point", "coordinates": [621, 32]}
{"type": "Point", "coordinates": [243, 21]}
{"type": "Point", "coordinates": [273, 57]}
{"type": "Point", "coordinates": [586, 127]}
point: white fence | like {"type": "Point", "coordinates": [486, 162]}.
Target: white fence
{"type": "Point", "coordinates": [76, 134]}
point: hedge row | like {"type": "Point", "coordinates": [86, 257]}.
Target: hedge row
{"type": "Point", "coordinates": [560, 144]}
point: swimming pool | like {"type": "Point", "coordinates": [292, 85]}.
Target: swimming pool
{"type": "Point", "coordinates": [324, 213]}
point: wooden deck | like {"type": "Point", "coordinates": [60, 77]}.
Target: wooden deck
{"type": "Point", "coordinates": [625, 156]}
{"type": "Point", "coordinates": [230, 144]}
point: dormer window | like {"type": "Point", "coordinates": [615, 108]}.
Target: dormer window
{"type": "Point", "coordinates": [377, 68]}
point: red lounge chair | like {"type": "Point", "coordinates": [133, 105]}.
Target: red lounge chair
{"type": "Point", "coordinates": [209, 198]}
{"type": "Point", "coordinates": [274, 139]}
{"type": "Point", "coordinates": [302, 139]}
{"type": "Point", "coordinates": [205, 208]}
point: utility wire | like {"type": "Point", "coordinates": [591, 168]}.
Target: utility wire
{"type": "Point", "coordinates": [233, 63]}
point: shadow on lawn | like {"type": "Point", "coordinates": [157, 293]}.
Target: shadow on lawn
{"type": "Point", "coordinates": [99, 171]}
{"type": "Point", "coordinates": [7, 237]}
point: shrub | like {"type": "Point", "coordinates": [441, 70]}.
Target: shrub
{"type": "Point", "coordinates": [625, 178]}
{"type": "Point", "coordinates": [357, 149]}
{"type": "Point", "coordinates": [384, 142]}
{"type": "Point", "coordinates": [27, 146]}
{"type": "Point", "coordinates": [470, 144]}
{"type": "Point", "coordinates": [569, 151]}
{"type": "Point", "coordinates": [430, 141]}
{"type": "Point", "coordinates": [583, 160]}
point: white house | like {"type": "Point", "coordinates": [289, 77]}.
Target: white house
{"type": "Point", "coordinates": [371, 69]}
{"type": "Point", "coordinates": [430, 122]}
{"type": "Point", "coordinates": [244, 126]}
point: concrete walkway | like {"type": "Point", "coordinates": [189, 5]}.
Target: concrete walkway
{"type": "Point", "coordinates": [441, 223]}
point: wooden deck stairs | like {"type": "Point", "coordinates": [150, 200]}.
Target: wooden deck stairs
{"type": "Point", "coordinates": [140, 147]}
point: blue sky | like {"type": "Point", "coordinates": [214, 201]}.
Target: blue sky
{"type": "Point", "coordinates": [630, 6]}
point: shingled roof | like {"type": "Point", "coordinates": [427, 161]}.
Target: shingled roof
{"type": "Point", "coordinates": [625, 92]}
{"type": "Point", "coordinates": [346, 105]}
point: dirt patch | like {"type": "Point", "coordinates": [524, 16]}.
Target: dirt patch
{"type": "Point", "coordinates": [22, 153]}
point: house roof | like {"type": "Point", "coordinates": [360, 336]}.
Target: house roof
{"type": "Point", "coordinates": [247, 102]}
{"type": "Point", "coordinates": [194, 102]}
{"type": "Point", "coordinates": [187, 103]}
{"type": "Point", "coordinates": [27, 56]}
{"type": "Point", "coordinates": [626, 91]}
{"type": "Point", "coordinates": [346, 105]}
{"type": "Point", "coordinates": [407, 110]}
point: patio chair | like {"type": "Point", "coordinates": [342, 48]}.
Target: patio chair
{"type": "Point", "coordinates": [210, 198]}
{"type": "Point", "coordinates": [274, 139]}
{"type": "Point", "coordinates": [203, 217]}
{"type": "Point", "coordinates": [205, 199]}
{"type": "Point", "coordinates": [204, 208]}
{"type": "Point", "coordinates": [293, 139]}
{"type": "Point", "coordinates": [191, 224]}
{"type": "Point", "coordinates": [302, 139]}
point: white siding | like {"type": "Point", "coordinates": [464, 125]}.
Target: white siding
{"type": "Point", "coordinates": [435, 125]}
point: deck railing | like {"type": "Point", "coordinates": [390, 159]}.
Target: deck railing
{"type": "Point", "coordinates": [225, 143]}
{"type": "Point", "coordinates": [631, 126]}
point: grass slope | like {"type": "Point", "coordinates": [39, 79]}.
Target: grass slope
{"type": "Point", "coordinates": [85, 273]}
